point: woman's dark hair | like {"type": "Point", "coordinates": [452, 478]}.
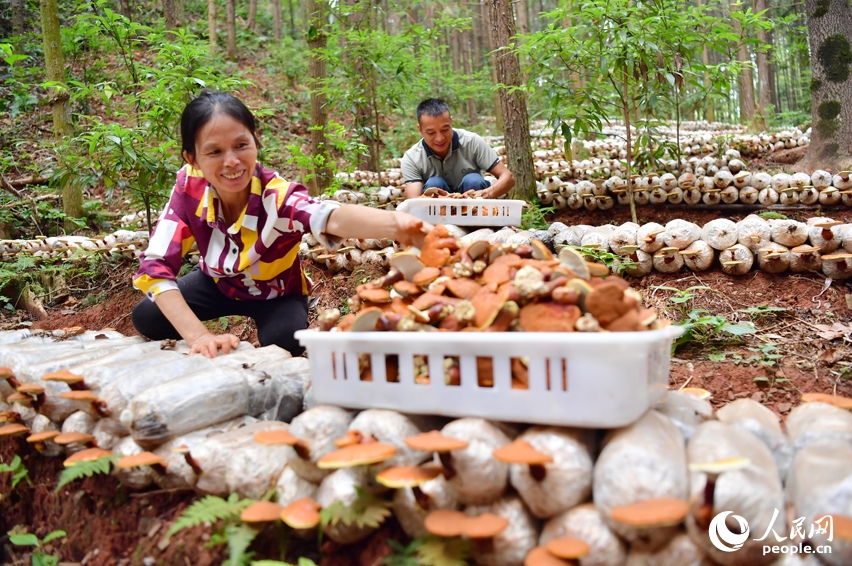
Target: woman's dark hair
{"type": "Point", "coordinates": [207, 104]}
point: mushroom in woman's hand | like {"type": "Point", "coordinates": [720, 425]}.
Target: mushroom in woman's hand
{"type": "Point", "coordinates": [480, 478]}
{"type": "Point", "coordinates": [551, 468]}
{"type": "Point", "coordinates": [732, 470]}
{"type": "Point", "coordinates": [736, 260]}
{"type": "Point", "coordinates": [698, 256]}
{"type": "Point", "coordinates": [640, 462]}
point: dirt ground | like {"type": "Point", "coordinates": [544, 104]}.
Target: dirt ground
{"type": "Point", "coordinates": [801, 345]}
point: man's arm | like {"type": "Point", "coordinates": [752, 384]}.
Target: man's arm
{"type": "Point", "coordinates": [504, 184]}
{"type": "Point", "coordinates": [413, 189]}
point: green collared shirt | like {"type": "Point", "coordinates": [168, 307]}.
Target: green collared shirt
{"type": "Point", "coordinates": [468, 153]}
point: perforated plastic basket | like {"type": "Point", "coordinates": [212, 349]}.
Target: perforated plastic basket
{"type": "Point", "coordinates": [465, 212]}
{"type": "Point", "coordinates": [600, 380]}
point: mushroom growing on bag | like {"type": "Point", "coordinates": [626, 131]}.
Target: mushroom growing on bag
{"type": "Point", "coordinates": [788, 233]}
{"type": "Point", "coordinates": [411, 508]}
{"type": "Point", "coordinates": [805, 258]}
{"type": "Point", "coordinates": [643, 461]}
{"type": "Point", "coordinates": [550, 467]}
{"type": "Point", "coordinates": [754, 232]}
{"type": "Point", "coordinates": [649, 237]}
{"type": "Point", "coordinates": [720, 233]}
{"type": "Point", "coordinates": [509, 546]}
{"type": "Point", "coordinates": [584, 522]}
{"type": "Point", "coordinates": [773, 258]}
{"type": "Point", "coordinates": [837, 266]}
{"type": "Point", "coordinates": [680, 233]}
{"type": "Point", "coordinates": [388, 427]}
{"type": "Point", "coordinates": [808, 195]}
{"type": "Point", "coordinates": [736, 260]}
{"type": "Point", "coordinates": [732, 470]}
{"type": "Point", "coordinates": [316, 430]}
{"type": "Point", "coordinates": [698, 256]}
{"type": "Point", "coordinates": [680, 551]}
{"type": "Point", "coordinates": [668, 260]}
{"type": "Point", "coordinates": [480, 478]}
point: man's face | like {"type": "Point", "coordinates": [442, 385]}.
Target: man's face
{"type": "Point", "coordinates": [438, 132]}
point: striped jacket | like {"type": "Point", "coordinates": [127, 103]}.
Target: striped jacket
{"type": "Point", "coordinates": [255, 258]}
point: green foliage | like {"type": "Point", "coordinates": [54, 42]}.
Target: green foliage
{"type": "Point", "coordinates": [302, 562]}
{"type": "Point", "coordinates": [534, 216]}
{"type": "Point", "coordinates": [21, 96]}
{"type": "Point", "coordinates": [616, 263]}
{"type": "Point", "coordinates": [366, 511]}
{"type": "Point", "coordinates": [699, 324]}
{"type": "Point", "coordinates": [210, 509]}
{"type": "Point", "coordinates": [429, 551]}
{"type": "Point", "coordinates": [768, 355]}
{"type": "Point", "coordinates": [239, 537]}
{"type": "Point", "coordinates": [82, 470]}
{"type": "Point", "coordinates": [17, 469]}
{"type": "Point", "coordinates": [763, 311]}
{"type": "Point", "coordinates": [772, 215]}
{"type": "Point", "coordinates": [345, 152]}
{"type": "Point", "coordinates": [39, 558]}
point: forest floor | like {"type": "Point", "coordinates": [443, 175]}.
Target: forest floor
{"type": "Point", "coordinates": [802, 344]}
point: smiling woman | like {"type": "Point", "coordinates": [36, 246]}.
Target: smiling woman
{"type": "Point", "coordinates": [247, 222]}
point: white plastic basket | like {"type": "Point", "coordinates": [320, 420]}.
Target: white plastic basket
{"type": "Point", "coordinates": [600, 380]}
{"type": "Point", "coordinates": [465, 212]}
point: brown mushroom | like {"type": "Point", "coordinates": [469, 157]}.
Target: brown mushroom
{"type": "Point", "coordinates": [67, 438]}
{"type": "Point", "coordinates": [660, 512]}
{"type": "Point", "coordinates": [282, 436]}
{"type": "Point", "coordinates": [143, 459]}
{"type": "Point", "coordinates": [13, 429]}
{"type": "Point", "coordinates": [73, 380]}
{"type": "Point", "coordinates": [356, 455]}
{"type": "Point", "coordinates": [539, 556]}
{"type": "Point", "coordinates": [568, 548]}
{"type": "Point", "coordinates": [261, 512]}
{"type": "Point", "coordinates": [522, 452]}
{"type": "Point", "coordinates": [301, 514]}
{"type": "Point", "coordinates": [88, 455]}
{"type": "Point", "coordinates": [704, 513]}
{"type": "Point", "coordinates": [413, 477]}
{"type": "Point", "coordinates": [445, 523]}
{"type": "Point", "coordinates": [836, 400]}
{"type": "Point", "coordinates": [549, 317]}
{"type": "Point", "coordinates": [434, 441]}
{"type": "Point", "coordinates": [39, 438]}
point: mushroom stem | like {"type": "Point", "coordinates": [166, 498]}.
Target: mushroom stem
{"type": "Point", "coordinates": [192, 463]}
{"type": "Point", "coordinates": [422, 499]}
{"type": "Point", "coordinates": [302, 450]}
{"type": "Point", "coordinates": [704, 513]}
{"type": "Point", "coordinates": [447, 462]}
{"type": "Point", "coordinates": [483, 545]}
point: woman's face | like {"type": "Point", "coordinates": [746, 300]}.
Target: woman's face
{"type": "Point", "coordinates": [226, 154]}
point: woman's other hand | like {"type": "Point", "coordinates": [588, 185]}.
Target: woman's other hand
{"type": "Point", "coordinates": [411, 230]}
{"type": "Point", "coordinates": [208, 344]}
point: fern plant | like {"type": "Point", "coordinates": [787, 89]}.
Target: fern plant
{"type": "Point", "coordinates": [366, 511]}
{"type": "Point", "coordinates": [17, 469]}
{"type": "Point", "coordinates": [85, 470]}
{"type": "Point", "coordinates": [429, 551]}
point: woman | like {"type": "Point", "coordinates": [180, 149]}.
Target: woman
{"type": "Point", "coordinates": [248, 223]}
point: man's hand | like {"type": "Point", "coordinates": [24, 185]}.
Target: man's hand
{"type": "Point", "coordinates": [476, 194]}
{"type": "Point", "coordinates": [208, 344]}
{"type": "Point", "coordinates": [432, 191]}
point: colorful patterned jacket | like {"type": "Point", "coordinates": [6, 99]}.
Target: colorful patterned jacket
{"type": "Point", "coordinates": [255, 258]}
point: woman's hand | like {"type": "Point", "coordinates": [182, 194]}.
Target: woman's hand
{"type": "Point", "coordinates": [411, 230]}
{"type": "Point", "coordinates": [208, 344]}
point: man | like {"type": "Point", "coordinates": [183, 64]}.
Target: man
{"type": "Point", "coordinates": [451, 160]}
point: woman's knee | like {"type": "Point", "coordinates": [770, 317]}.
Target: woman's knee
{"type": "Point", "coordinates": [281, 336]}
{"type": "Point", "coordinates": [149, 321]}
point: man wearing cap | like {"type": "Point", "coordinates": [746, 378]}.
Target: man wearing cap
{"type": "Point", "coordinates": [451, 160]}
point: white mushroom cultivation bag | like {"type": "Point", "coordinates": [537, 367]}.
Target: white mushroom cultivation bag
{"type": "Point", "coordinates": [646, 460]}
{"type": "Point", "coordinates": [511, 545]}
{"type": "Point", "coordinates": [811, 422]}
{"type": "Point", "coordinates": [234, 462]}
{"type": "Point", "coordinates": [753, 492]}
{"type": "Point", "coordinates": [750, 415]}
{"type": "Point", "coordinates": [585, 522]}
{"type": "Point", "coordinates": [479, 477]}
{"type": "Point", "coordinates": [820, 483]}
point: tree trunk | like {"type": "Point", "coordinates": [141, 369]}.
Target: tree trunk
{"type": "Point", "coordinates": [471, 103]}
{"type": "Point", "coordinates": [316, 10]}
{"type": "Point", "coordinates": [170, 14]}
{"type": "Point", "coordinates": [18, 17]}
{"type": "Point", "coordinates": [489, 36]}
{"type": "Point", "coordinates": [763, 102]}
{"type": "Point", "coordinates": [292, 10]}
{"type": "Point", "coordinates": [513, 103]}
{"type": "Point", "coordinates": [455, 48]}
{"type": "Point", "coordinates": [276, 19]}
{"type": "Point", "coordinates": [771, 74]}
{"type": "Point", "coordinates": [830, 39]}
{"type": "Point", "coordinates": [251, 24]}
{"type": "Point", "coordinates": [521, 16]}
{"type": "Point", "coordinates": [72, 197]}
{"type": "Point", "coordinates": [211, 25]}
{"type": "Point", "coordinates": [746, 85]}
{"type": "Point", "coordinates": [232, 29]}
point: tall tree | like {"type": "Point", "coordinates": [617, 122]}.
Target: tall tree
{"type": "Point", "coordinates": [232, 29]}
{"type": "Point", "coordinates": [513, 101]}
{"type": "Point", "coordinates": [317, 39]}
{"type": "Point", "coordinates": [170, 13]}
{"type": "Point", "coordinates": [487, 20]}
{"type": "Point", "coordinates": [746, 84]}
{"type": "Point", "coordinates": [251, 24]}
{"type": "Point", "coordinates": [521, 16]}
{"type": "Point", "coordinates": [72, 197]}
{"type": "Point", "coordinates": [18, 16]}
{"type": "Point", "coordinates": [211, 24]}
{"type": "Point", "coordinates": [473, 117]}
{"type": "Point", "coordinates": [830, 38]}
{"type": "Point", "coordinates": [276, 19]}
{"type": "Point", "coordinates": [763, 90]}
